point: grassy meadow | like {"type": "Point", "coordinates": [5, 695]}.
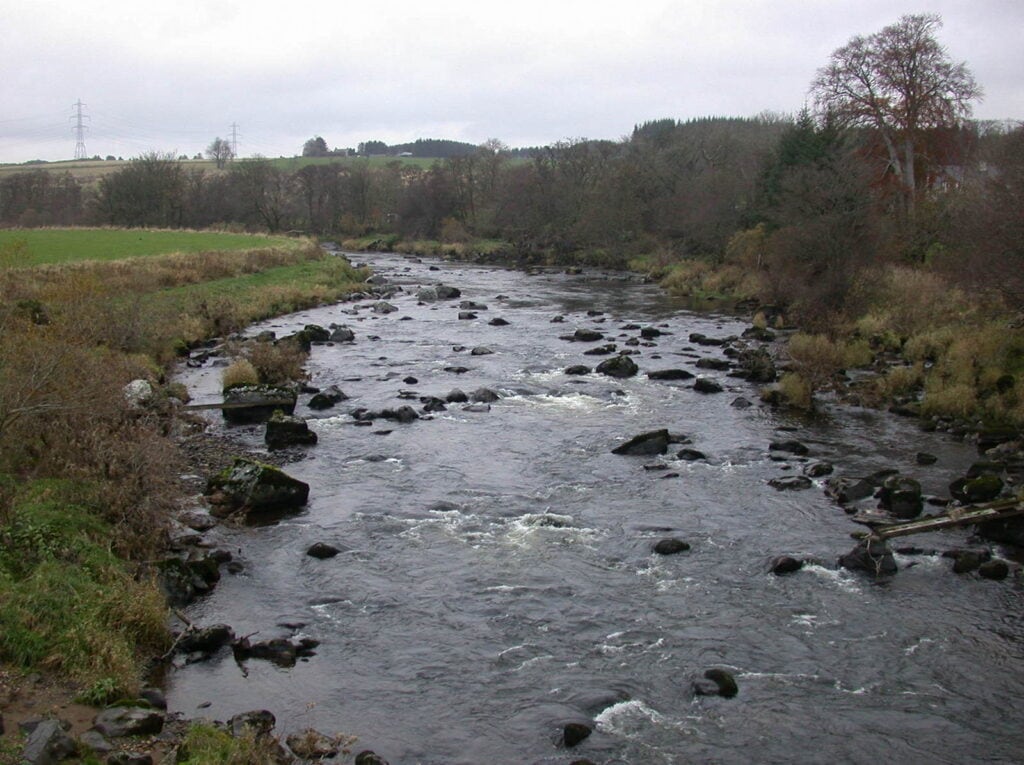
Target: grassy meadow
{"type": "Point", "coordinates": [39, 246]}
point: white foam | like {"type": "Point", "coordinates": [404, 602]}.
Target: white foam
{"type": "Point", "coordinates": [632, 718]}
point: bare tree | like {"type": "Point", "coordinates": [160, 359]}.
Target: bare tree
{"type": "Point", "coordinates": [900, 82]}
{"type": "Point", "coordinates": [220, 151]}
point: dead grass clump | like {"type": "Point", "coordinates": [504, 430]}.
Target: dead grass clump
{"type": "Point", "coordinates": [276, 363]}
{"type": "Point", "coordinates": [240, 372]}
{"type": "Point", "coordinates": [819, 359]}
{"type": "Point", "coordinates": [791, 390]}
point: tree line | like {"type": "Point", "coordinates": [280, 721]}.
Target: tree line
{"type": "Point", "coordinates": [887, 165]}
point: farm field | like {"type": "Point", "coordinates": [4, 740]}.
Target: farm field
{"type": "Point", "coordinates": [24, 248]}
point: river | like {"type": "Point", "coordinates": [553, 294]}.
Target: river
{"type": "Point", "coordinates": [497, 578]}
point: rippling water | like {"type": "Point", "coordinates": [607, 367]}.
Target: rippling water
{"type": "Point", "coordinates": [497, 579]}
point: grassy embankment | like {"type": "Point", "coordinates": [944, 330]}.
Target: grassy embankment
{"type": "Point", "coordinates": [921, 341]}
{"type": "Point", "coordinates": [86, 481]}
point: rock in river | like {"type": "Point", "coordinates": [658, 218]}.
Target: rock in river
{"type": "Point", "coordinates": [619, 366]}
{"type": "Point", "coordinates": [254, 487]}
{"type": "Point", "coordinates": [286, 430]}
{"type": "Point", "coordinates": [717, 682]}
{"type": "Point", "coordinates": [670, 374]}
{"type": "Point", "coordinates": [901, 496]}
{"type": "Point", "coordinates": [327, 398]}
{"type": "Point", "coordinates": [245, 404]}
{"type": "Point", "coordinates": [670, 546]}
{"type": "Point", "coordinates": [645, 444]}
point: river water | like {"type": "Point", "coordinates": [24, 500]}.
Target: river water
{"type": "Point", "coordinates": [497, 578]}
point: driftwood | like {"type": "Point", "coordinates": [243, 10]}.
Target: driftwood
{"type": "Point", "coordinates": [959, 516]}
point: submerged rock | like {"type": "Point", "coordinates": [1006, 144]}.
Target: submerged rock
{"type": "Point", "coordinates": [790, 447]}
{"type": "Point", "coordinates": [707, 385]}
{"type": "Point", "coordinates": [717, 682]}
{"type": "Point", "coordinates": [670, 546]}
{"type": "Point", "coordinates": [574, 733]}
{"type": "Point", "coordinates": [670, 374]}
{"type": "Point", "coordinates": [322, 551]}
{"type": "Point", "coordinates": [586, 336]}
{"type": "Point", "coordinates": [994, 569]}
{"type": "Point", "coordinates": [785, 564]}
{"type": "Point", "coordinates": [791, 483]}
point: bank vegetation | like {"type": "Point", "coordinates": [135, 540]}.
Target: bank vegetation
{"type": "Point", "coordinates": [90, 476]}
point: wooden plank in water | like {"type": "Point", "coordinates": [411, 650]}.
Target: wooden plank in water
{"type": "Point", "coordinates": [961, 516]}
{"type": "Point", "coordinates": [240, 404]}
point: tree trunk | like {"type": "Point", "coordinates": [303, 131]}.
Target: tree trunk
{"type": "Point", "coordinates": [909, 177]}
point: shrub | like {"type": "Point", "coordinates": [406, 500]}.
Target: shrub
{"type": "Point", "coordinates": [791, 390]}
{"type": "Point", "coordinates": [276, 363]}
{"type": "Point", "coordinates": [819, 359]}
{"type": "Point", "coordinates": [240, 372]}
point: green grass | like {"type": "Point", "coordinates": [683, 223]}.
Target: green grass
{"type": "Point", "coordinates": [22, 248]}
{"type": "Point", "coordinates": [324, 279]}
{"type": "Point", "coordinates": [67, 603]}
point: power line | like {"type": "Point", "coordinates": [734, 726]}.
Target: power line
{"type": "Point", "coordinates": [234, 139]}
{"type": "Point", "coordinates": [79, 129]}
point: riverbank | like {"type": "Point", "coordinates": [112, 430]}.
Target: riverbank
{"type": "Point", "coordinates": [90, 476]}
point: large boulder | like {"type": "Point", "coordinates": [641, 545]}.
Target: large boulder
{"type": "Point", "coordinates": [618, 366]}
{"type": "Point", "coordinates": [254, 487]}
{"type": "Point", "coordinates": [901, 496]}
{"type": "Point", "coordinates": [872, 556]}
{"type": "Point", "coordinates": [117, 722]}
{"type": "Point", "coordinates": [47, 743]}
{"type": "Point", "coordinates": [585, 335]}
{"type": "Point", "coordinates": [670, 374]}
{"type": "Point", "coordinates": [756, 365]}
{"type": "Point", "coordinates": [286, 430]}
{"type": "Point", "coordinates": [645, 444]}
{"type": "Point", "coordinates": [343, 334]}
{"type": "Point", "coordinates": [983, 488]}
{"type": "Point", "coordinates": [246, 404]}
{"type": "Point", "coordinates": [707, 385]}
{"type": "Point", "coordinates": [716, 682]}
{"type": "Point", "coordinates": [444, 292]}
{"type": "Point", "coordinates": [327, 398]}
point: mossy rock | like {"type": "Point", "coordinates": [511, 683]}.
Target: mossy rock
{"type": "Point", "coordinates": [255, 487]}
{"type": "Point", "coordinates": [249, 403]}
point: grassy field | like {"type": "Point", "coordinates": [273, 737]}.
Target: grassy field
{"type": "Point", "coordinates": [21, 248]}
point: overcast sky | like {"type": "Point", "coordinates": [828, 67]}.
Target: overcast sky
{"type": "Point", "coordinates": [172, 76]}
